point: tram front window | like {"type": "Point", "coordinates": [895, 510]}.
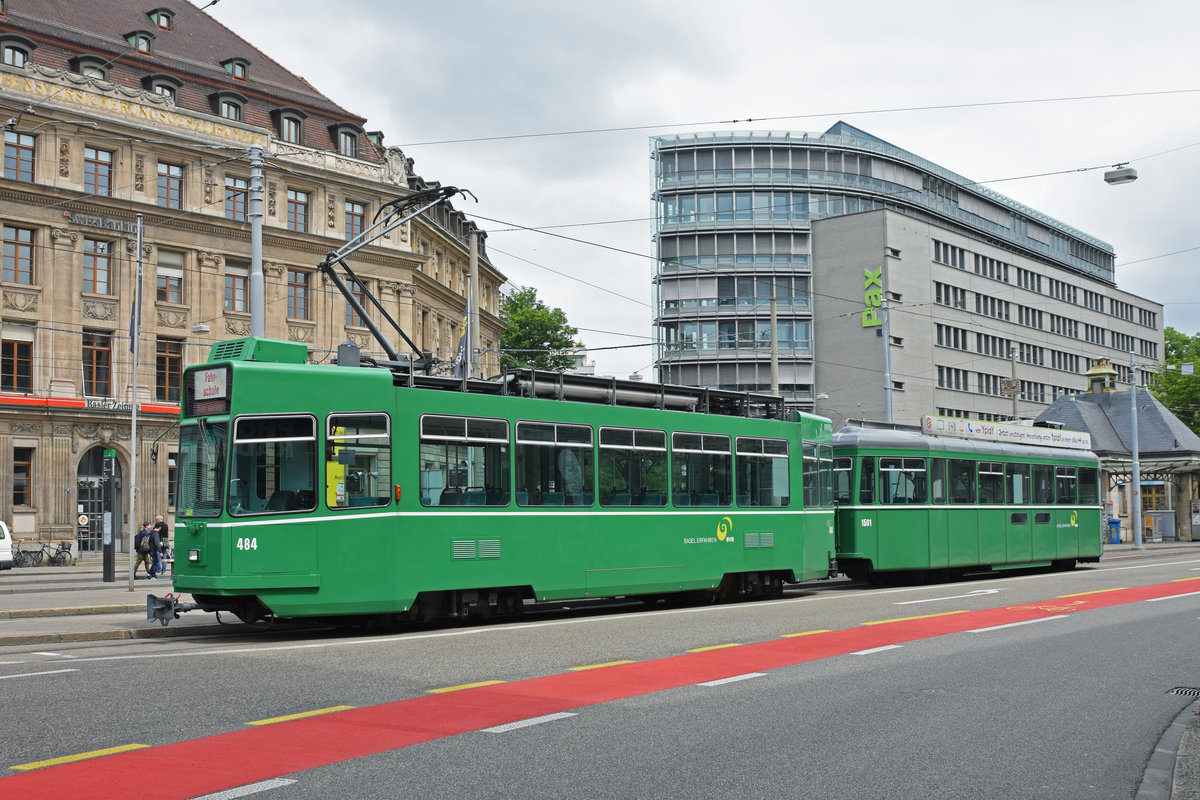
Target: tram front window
{"type": "Point", "coordinates": [201, 469]}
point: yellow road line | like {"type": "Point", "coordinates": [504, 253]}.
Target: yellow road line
{"type": "Point", "coordinates": [1181, 580]}
{"type": "Point", "coordinates": [1095, 591]}
{"type": "Point", "coordinates": [108, 751]}
{"type": "Point", "coordinates": [715, 647]}
{"type": "Point", "coordinates": [599, 666]}
{"type": "Point", "coordinates": [805, 633]}
{"type": "Point", "coordinates": [906, 619]}
{"type": "Point", "coordinates": [461, 687]}
{"type": "Point", "coordinates": [301, 715]}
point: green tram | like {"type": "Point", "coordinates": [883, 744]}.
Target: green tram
{"type": "Point", "coordinates": [322, 491]}
{"type": "Point", "coordinates": [918, 504]}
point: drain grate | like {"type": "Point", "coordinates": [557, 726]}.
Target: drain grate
{"type": "Point", "coordinates": [1186, 691]}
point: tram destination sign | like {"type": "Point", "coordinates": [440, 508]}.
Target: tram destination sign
{"type": "Point", "coordinates": [1004, 432]}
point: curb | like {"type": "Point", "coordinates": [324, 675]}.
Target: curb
{"type": "Point", "coordinates": [80, 611]}
{"type": "Point", "coordinates": [139, 633]}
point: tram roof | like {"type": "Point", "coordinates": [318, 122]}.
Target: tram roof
{"type": "Point", "coordinates": [905, 437]}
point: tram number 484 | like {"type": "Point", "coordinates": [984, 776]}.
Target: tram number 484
{"type": "Point", "coordinates": [247, 544]}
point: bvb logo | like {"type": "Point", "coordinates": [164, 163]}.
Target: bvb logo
{"type": "Point", "coordinates": [724, 528]}
{"type": "Point", "coordinates": [1074, 519]}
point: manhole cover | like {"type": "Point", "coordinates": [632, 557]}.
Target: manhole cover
{"type": "Point", "coordinates": [1186, 691]}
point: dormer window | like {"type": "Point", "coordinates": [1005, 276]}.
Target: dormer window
{"type": "Point", "coordinates": [91, 66]}
{"type": "Point", "coordinates": [238, 68]}
{"type": "Point", "coordinates": [164, 84]}
{"type": "Point", "coordinates": [345, 136]}
{"type": "Point", "coordinates": [162, 18]}
{"type": "Point", "coordinates": [290, 124]}
{"type": "Point", "coordinates": [229, 105]}
{"type": "Point", "coordinates": [141, 41]}
{"type": "Point", "coordinates": [16, 49]}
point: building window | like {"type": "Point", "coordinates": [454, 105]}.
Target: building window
{"type": "Point", "coordinates": [235, 198]}
{"type": "Point", "coordinates": [141, 42]}
{"type": "Point", "coordinates": [356, 291]}
{"type": "Point", "coordinates": [289, 129]}
{"type": "Point", "coordinates": [96, 270]}
{"type": "Point", "coordinates": [168, 370]}
{"type": "Point", "coordinates": [297, 211]}
{"type": "Point", "coordinates": [348, 143]}
{"type": "Point", "coordinates": [231, 109]}
{"type": "Point", "coordinates": [238, 68]}
{"type": "Point", "coordinates": [15, 56]}
{"type": "Point", "coordinates": [166, 90]}
{"type": "Point", "coordinates": [162, 18]}
{"type": "Point", "coordinates": [16, 359]}
{"type": "Point", "coordinates": [237, 287]}
{"type": "Point", "coordinates": [172, 477]}
{"type": "Point", "coordinates": [18, 255]}
{"type": "Point", "coordinates": [169, 283]}
{"type": "Point", "coordinates": [97, 363]}
{"type": "Point", "coordinates": [170, 185]}
{"type": "Point", "coordinates": [356, 216]}
{"type": "Point", "coordinates": [97, 171]}
{"type": "Point", "coordinates": [22, 476]}
{"type": "Point", "coordinates": [298, 294]}
{"type": "Point", "coordinates": [18, 156]}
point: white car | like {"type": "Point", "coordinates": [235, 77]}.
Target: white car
{"type": "Point", "coordinates": [6, 547]}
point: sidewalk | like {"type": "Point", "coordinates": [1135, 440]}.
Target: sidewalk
{"type": "Point", "coordinates": [48, 605]}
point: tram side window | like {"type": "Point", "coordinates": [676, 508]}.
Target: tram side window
{"type": "Point", "coordinates": [1089, 486]}
{"type": "Point", "coordinates": [555, 465]}
{"type": "Point", "coordinates": [701, 469]}
{"type": "Point", "coordinates": [762, 472]}
{"type": "Point", "coordinates": [1043, 485]}
{"type": "Point", "coordinates": [902, 481]}
{"type": "Point", "coordinates": [937, 480]}
{"type": "Point", "coordinates": [962, 481]}
{"type": "Point", "coordinates": [633, 467]}
{"type": "Point", "coordinates": [827, 475]}
{"type": "Point", "coordinates": [812, 467]}
{"type": "Point", "coordinates": [273, 465]}
{"type": "Point", "coordinates": [991, 483]}
{"type": "Point", "coordinates": [358, 461]}
{"type": "Point", "coordinates": [464, 461]}
{"type": "Point", "coordinates": [1018, 484]}
{"type": "Point", "coordinates": [1065, 489]}
{"type": "Point", "coordinates": [866, 481]}
{"type": "Point", "coordinates": [843, 480]}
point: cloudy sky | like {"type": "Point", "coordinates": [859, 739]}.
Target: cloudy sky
{"type": "Point", "coordinates": [994, 92]}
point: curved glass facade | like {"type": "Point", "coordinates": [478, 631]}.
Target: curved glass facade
{"type": "Point", "coordinates": [733, 215]}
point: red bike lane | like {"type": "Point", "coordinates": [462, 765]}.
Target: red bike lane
{"type": "Point", "coordinates": [220, 762]}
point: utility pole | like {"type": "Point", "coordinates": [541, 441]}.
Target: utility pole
{"type": "Point", "coordinates": [774, 344]}
{"type": "Point", "coordinates": [258, 327]}
{"type": "Point", "coordinates": [135, 348]}
{"type": "Point", "coordinates": [473, 308]}
{"type": "Point", "coordinates": [1136, 512]}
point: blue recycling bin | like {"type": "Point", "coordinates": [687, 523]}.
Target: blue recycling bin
{"type": "Point", "coordinates": [1114, 531]}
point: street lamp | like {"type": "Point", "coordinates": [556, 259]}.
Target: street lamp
{"type": "Point", "coordinates": [1120, 174]}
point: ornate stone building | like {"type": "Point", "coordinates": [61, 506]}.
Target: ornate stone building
{"type": "Point", "coordinates": [117, 109]}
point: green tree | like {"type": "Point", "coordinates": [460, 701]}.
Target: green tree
{"type": "Point", "coordinates": [1178, 392]}
{"type": "Point", "coordinates": [536, 336]}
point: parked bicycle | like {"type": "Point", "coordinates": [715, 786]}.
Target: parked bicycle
{"type": "Point", "coordinates": [26, 558]}
{"type": "Point", "coordinates": [59, 556]}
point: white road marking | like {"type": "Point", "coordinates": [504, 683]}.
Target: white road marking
{"type": "Point", "coordinates": [876, 650]}
{"type": "Point", "coordinates": [1017, 624]}
{"type": "Point", "coordinates": [36, 674]}
{"type": "Point", "coordinates": [248, 789]}
{"type": "Point", "coordinates": [1172, 597]}
{"type": "Point", "coordinates": [525, 723]}
{"type": "Point", "coordinates": [734, 679]}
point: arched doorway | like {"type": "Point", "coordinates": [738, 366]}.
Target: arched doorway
{"type": "Point", "coordinates": [89, 482]}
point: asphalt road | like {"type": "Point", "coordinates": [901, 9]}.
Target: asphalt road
{"type": "Point", "coordinates": [1069, 703]}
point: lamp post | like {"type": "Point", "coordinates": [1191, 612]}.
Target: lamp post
{"type": "Point", "coordinates": [1136, 518]}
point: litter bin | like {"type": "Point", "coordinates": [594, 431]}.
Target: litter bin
{"type": "Point", "coordinates": [1114, 531]}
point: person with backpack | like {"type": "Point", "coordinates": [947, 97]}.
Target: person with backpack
{"type": "Point", "coordinates": [141, 549]}
{"type": "Point", "coordinates": [154, 547]}
{"type": "Point", "coordinates": [164, 534]}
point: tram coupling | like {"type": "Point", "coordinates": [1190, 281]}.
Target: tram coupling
{"type": "Point", "coordinates": [166, 608]}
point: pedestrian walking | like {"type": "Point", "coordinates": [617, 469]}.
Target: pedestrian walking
{"type": "Point", "coordinates": [141, 549]}
{"type": "Point", "coordinates": [160, 541]}
{"type": "Point", "coordinates": [155, 555]}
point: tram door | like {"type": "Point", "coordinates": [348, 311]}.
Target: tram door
{"type": "Point", "coordinates": [89, 499]}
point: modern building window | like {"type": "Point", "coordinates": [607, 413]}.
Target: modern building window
{"type": "Point", "coordinates": [168, 369]}
{"type": "Point", "coordinates": [235, 198]}
{"type": "Point", "coordinates": [97, 171]}
{"type": "Point", "coordinates": [97, 273]}
{"type": "Point", "coordinates": [97, 363]}
{"type": "Point", "coordinates": [298, 294]}
{"type": "Point", "coordinates": [170, 185]}
{"type": "Point", "coordinates": [169, 281]}
{"type": "Point", "coordinates": [16, 358]}
{"type": "Point", "coordinates": [237, 287]}
{"type": "Point", "coordinates": [348, 143]}
{"type": "Point", "coordinates": [297, 211]}
{"type": "Point", "coordinates": [356, 291]}
{"type": "Point", "coordinates": [22, 493]}
{"type": "Point", "coordinates": [18, 156]}
{"type": "Point", "coordinates": [356, 216]}
{"type": "Point", "coordinates": [18, 255]}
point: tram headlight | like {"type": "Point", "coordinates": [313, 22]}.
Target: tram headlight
{"type": "Point", "coordinates": [193, 556]}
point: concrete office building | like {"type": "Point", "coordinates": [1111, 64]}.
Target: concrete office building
{"type": "Point", "coordinates": [119, 109]}
{"type": "Point", "coordinates": [980, 289]}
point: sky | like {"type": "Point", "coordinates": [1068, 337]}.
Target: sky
{"type": "Point", "coordinates": [993, 92]}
